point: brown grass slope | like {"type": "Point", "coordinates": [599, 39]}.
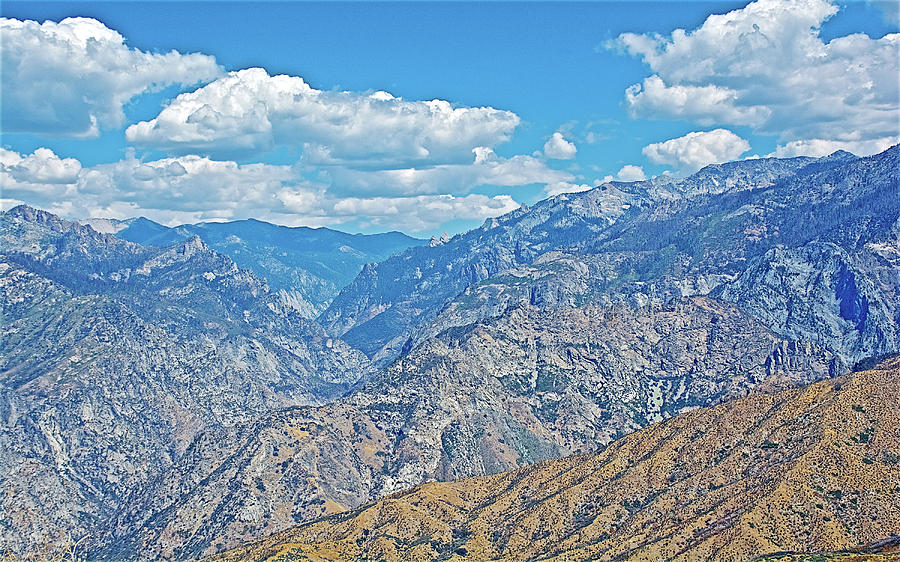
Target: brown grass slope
{"type": "Point", "coordinates": [813, 469]}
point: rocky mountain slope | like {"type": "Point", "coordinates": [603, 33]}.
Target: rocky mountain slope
{"type": "Point", "coordinates": [812, 469]}
{"type": "Point", "coordinates": [307, 266]}
{"type": "Point", "coordinates": [115, 356]}
{"type": "Point", "coordinates": [530, 385]}
{"type": "Point", "coordinates": [716, 233]}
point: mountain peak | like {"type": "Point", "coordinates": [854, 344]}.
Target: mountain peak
{"type": "Point", "coordinates": [841, 154]}
{"type": "Point", "coordinates": [435, 241]}
{"type": "Point", "coordinates": [31, 214]}
{"type": "Point", "coordinates": [36, 224]}
{"type": "Point", "coordinates": [195, 243]}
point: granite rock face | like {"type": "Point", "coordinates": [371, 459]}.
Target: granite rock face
{"type": "Point", "coordinates": [822, 293]}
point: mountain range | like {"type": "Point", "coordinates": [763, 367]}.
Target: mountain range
{"type": "Point", "coordinates": [714, 233]}
{"type": "Point", "coordinates": [170, 398]}
{"type": "Point", "coordinates": [307, 266]}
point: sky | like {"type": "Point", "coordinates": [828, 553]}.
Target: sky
{"type": "Point", "coordinates": [422, 117]}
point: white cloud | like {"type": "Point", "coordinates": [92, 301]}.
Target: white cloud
{"type": "Point", "coordinates": [486, 169]}
{"type": "Point", "coordinates": [72, 78]}
{"type": "Point", "coordinates": [630, 172]}
{"type": "Point", "coordinates": [694, 150]}
{"type": "Point", "coordinates": [823, 147]}
{"type": "Point", "coordinates": [249, 111]}
{"type": "Point", "coordinates": [187, 189]}
{"type": "Point", "coordinates": [41, 176]}
{"type": "Point", "coordinates": [418, 213]}
{"type": "Point", "coordinates": [421, 213]}
{"type": "Point", "coordinates": [765, 65]}
{"type": "Point", "coordinates": [40, 167]}
{"type": "Point", "coordinates": [708, 104]}
{"type": "Point", "coordinates": [188, 184]}
{"type": "Point", "coordinates": [559, 148]}
{"type": "Point", "coordinates": [171, 190]}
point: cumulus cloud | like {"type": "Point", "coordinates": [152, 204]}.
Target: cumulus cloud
{"type": "Point", "coordinates": [694, 150]}
{"type": "Point", "coordinates": [249, 111]}
{"type": "Point", "coordinates": [183, 189]}
{"type": "Point", "coordinates": [824, 147]}
{"type": "Point", "coordinates": [417, 213]}
{"type": "Point", "coordinates": [486, 169]}
{"type": "Point", "coordinates": [422, 212]}
{"type": "Point", "coordinates": [188, 184]}
{"type": "Point", "coordinates": [559, 148]}
{"type": "Point", "coordinates": [40, 167]}
{"type": "Point", "coordinates": [72, 78]}
{"type": "Point", "coordinates": [705, 104]}
{"type": "Point", "coordinates": [630, 172]}
{"type": "Point", "coordinates": [766, 66]}
{"type": "Point", "coordinates": [41, 177]}
{"type": "Point", "coordinates": [187, 189]}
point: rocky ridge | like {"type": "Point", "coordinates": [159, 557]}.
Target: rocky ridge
{"type": "Point", "coordinates": [661, 241]}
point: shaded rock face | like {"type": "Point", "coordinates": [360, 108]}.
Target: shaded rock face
{"type": "Point", "coordinates": [817, 293]}
{"type": "Point", "coordinates": [114, 357]}
{"type": "Point", "coordinates": [530, 385]}
{"type": "Point", "coordinates": [854, 307]}
{"type": "Point", "coordinates": [802, 470]}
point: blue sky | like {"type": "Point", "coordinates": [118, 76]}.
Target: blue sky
{"type": "Point", "coordinates": [538, 94]}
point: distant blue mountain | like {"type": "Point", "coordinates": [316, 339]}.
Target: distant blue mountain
{"type": "Point", "coordinates": [308, 265]}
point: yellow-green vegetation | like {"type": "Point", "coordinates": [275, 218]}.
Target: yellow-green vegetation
{"type": "Point", "coordinates": [804, 470]}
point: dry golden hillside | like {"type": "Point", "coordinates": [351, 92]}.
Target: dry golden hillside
{"type": "Point", "coordinates": [814, 469]}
